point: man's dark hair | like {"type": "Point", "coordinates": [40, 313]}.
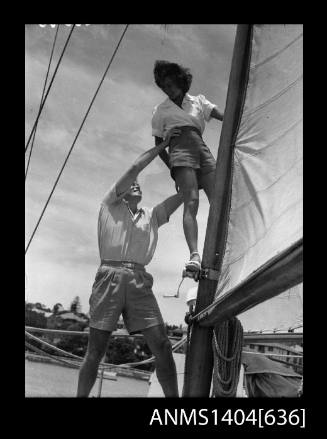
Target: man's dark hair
{"type": "Point", "coordinates": [179, 74]}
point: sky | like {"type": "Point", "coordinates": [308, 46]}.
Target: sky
{"type": "Point", "coordinates": [63, 256]}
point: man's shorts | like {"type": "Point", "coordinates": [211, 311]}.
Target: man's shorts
{"type": "Point", "coordinates": [189, 150]}
{"type": "Point", "coordinates": [120, 290]}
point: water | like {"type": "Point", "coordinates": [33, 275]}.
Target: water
{"type": "Point", "coordinates": [50, 380]}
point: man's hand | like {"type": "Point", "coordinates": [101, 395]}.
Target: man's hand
{"type": "Point", "coordinates": [174, 132]}
{"type": "Point", "coordinates": [143, 160]}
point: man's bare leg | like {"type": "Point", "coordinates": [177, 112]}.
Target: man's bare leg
{"type": "Point", "coordinates": [97, 345]}
{"type": "Point", "coordinates": [160, 347]}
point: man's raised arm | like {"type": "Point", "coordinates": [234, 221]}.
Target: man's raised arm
{"type": "Point", "coordinates": [167, 207]}
{"type": "Point", "coordinates": [125, 182]}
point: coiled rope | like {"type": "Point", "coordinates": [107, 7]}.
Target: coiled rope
{"type": "Point", "coordinates": [227, 346]}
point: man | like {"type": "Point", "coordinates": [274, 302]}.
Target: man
{"type": "Point", "coordinates": [127, 238]}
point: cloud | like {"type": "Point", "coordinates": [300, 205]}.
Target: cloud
{"type": "Point", "coordinates": [280, 312]}
{"type": "Point", "coordinates": [63, 257]}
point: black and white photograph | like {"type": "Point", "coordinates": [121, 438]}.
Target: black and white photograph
{"type": "Point", "coordinates": [164, 216]}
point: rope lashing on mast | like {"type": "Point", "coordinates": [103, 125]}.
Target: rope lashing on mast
{"type": "Point", "coordinates": [78, 132]}
{"type": "Point", "coordinates": [43, 91]}
{"type": "Point", "coordinates": [189, 322]}
{"type": "Point", "coordinates": [204, 273]}
{"type": "Point", "coordinates": [46, 95]}
{"type": "Point", "coordinates": [227, 346]}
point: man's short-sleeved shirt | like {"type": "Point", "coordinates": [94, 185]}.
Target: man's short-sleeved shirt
{"type": "Point", "coordinates": [123, 236]}
{"type": "Point", "coordinates": [195, 111]}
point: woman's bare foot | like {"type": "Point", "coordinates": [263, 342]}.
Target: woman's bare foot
{"type": "Point", "coordinates": [194, 264]}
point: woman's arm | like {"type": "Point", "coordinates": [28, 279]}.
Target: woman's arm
{"type": "Point", "coordinates": [216, 114]}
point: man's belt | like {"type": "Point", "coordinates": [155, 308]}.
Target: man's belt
{"type": "Point", "coordinates": [123, 264]}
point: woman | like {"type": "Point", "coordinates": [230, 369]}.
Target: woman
{"type": "Point", "coordinates": [191, 163]}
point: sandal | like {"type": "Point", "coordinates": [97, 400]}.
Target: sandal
{"type": "Point", "coordinates": [193, 265]}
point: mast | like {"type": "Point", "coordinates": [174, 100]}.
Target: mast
{"type": "Point", "coordinates": [199, 361]}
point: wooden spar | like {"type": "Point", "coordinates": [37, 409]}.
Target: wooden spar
{"type": "Point", "coordinates": [280, 273]}
{"type": "Point", "coordinates": [199, 361]}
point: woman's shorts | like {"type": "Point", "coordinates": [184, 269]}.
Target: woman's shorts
{"type": "Point", "coordinates": [189, 150]}
{"type": "Point", "coordinates": [122, 291]}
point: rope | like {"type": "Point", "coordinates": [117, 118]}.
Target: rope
{"type": "Point", "coordinates": [34, 348]}
{"type": "Point", "coordinates": [151, 359]}
{"type": "Point", "coordinates": [126, 365]}
{"type": "Point", "coordinates": [227, 345]}
{"type": "Point", "coordinates": [66, 332]}
{"type": "Point", "coordinates": [55, 348]}
{"type": "Point", "coordinates": [188, 321]}
{"type": "Point", "coordinates": [300, 389]}
{"type": "Point", "coordinates": [55, 331]}
{"type": "Point", "coordinates": [79, 130]}
{"type": "Point", "coordinates": [174, 348]}
{"type": "Point", "coordinates": [268, 354]}
{"type": "Point", "coordinates": [46, 95]}
{"type": "Point", "coordinates": [44, 85]}
{"type": "Point", "coordinates": [60, 360]}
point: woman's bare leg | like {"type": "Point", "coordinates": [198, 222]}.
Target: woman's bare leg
{"type": "Point", "coordinates": [208, 183]}
{"type": "Point", "coordinates": [186, 180]}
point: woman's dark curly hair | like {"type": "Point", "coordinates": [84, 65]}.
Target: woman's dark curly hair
{"type": "Point", "coordinates": [179, 74]}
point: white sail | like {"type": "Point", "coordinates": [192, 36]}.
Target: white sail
{"type": "Point", "coordinates": [266, 201]}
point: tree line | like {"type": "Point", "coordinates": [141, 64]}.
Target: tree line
{"type": "Point", "coordinates": [120, 350]}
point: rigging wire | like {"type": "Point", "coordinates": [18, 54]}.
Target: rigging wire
{"type": "Point", "coordinates": [124, 365]}
{"type": "Point", "coordinates": [164, 27]}
{"type": "Point", "coordinates": [46, 95]}
{"type": "Point", "coordinates": [43, 91]}
{"type": "Point", "coordinates": [79, 130]}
